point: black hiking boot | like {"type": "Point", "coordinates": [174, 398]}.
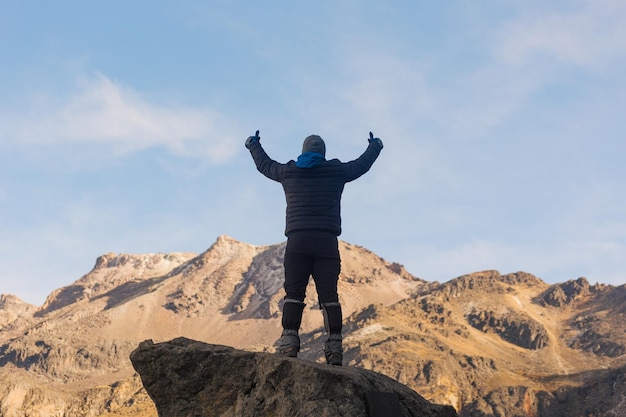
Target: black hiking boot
{"type": "Point", "coordinates": [289, 343]}
{"type": "Point", "coordinates": [333, 350]}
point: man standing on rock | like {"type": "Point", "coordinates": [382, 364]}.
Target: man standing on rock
{"type": "Point", "coordinates": [313, 188]}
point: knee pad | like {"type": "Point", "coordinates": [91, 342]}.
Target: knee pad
{"type": "Point", "coordinates": [332, 317]}
{"type": "Point", "coordinates": [292, 314]}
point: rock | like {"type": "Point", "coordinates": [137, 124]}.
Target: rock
{"type": "Point", "coordinates": [513, 327]}
{"type": "Point", "coordinates": [12, 307]}
{"type": "Point", "coordinates": [566, 293]}
{"type": "Point", "coordinates": [555, 296]}
{"type": "Point", "coordinates": [190, 378]}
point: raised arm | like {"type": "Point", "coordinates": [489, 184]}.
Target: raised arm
{"type": "Point", "coordinates": [358, 167]}
{"type": "Point", "coordinates": [264, 164]}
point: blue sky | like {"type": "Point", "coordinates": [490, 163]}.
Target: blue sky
{"type": "Point", "coordinates": [122, 127]}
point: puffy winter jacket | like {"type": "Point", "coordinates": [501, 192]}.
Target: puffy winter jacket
{"type": "Point", "coordinates": [314, 194]}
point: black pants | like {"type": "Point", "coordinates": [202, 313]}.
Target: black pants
{"type": "Point", "coordinates": [316, 254]}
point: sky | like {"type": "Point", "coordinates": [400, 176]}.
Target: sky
{"type": "Point", "coordinates": [122, 129]}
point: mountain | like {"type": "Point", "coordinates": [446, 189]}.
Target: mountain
{"type": "Point", "coordinates": [72, 354]}
{"type": "Point", "coordinates": [486, 343]}
{"type": "Point", "coordinates": [492, 344]}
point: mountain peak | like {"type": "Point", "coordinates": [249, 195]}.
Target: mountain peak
{"type": "Point", "coordinates": [12, 307]}
{"type": "Point", "coordinates": [227, 240]}
{"type": "Point", "coordinates": [227, 246]}
{"type": "Point", "coordinates": [11, 302]}
{"type": "Point", "coordinates": [110, 271]}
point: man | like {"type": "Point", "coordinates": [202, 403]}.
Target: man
{"type": "Point", "coordinates": [313, 188]}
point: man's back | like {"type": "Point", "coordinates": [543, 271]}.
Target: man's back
{"type": "Point", "coordinates": [314, 197]}
{"type": "Point", "coordinates": [313, 194]}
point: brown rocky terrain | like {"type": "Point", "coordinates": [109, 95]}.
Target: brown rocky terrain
{"type": "Point", "coordinates": [487, 344]}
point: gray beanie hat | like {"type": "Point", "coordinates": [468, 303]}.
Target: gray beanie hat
{"type": "Point", "coordinates": [314, 143]}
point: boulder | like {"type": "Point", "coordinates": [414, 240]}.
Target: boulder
{"type": "Point", "coordinates": [190, 378]}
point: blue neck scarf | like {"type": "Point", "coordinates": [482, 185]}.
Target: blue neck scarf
{"type": "Point", "coordinates": [310, 160]}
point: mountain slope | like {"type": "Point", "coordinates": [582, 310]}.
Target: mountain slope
{"type": "Point", "coordinates": [82, 336]}
{"type": "Point", "coordinates": [486, 343]}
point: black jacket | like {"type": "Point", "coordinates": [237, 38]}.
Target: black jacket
{"type": "Point", "coordinates": [314, 194]}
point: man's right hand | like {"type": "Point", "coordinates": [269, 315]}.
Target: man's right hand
{"type": "Point", "coordinates": [253, 139]}
{"type": "Point", "coordinates": [376, 141]}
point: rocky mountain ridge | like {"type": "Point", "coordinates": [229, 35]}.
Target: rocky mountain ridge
{"type": "Point", "coordinates": [485, 343]}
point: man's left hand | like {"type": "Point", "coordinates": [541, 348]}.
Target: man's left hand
{"type": "Point", "coordinates": [253, 139]}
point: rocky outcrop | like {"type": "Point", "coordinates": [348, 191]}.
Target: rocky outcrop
{"type": "Point", "coordinates": [21, 396]}
{"type": "Point", "coordinates": [489, 280]}
{"type": "Point", "coordinates": [590, 340]}
{"type": "Point", "coordinates": [12, 307]}
{"type": "Point", "coordinates": [190, 378]}
{"type": "Point", "coordinates": [65, 360]}
{"type": "Point", "coordinates": [603, 394]}
{"type": "Point", "coordinates": [566, 293]}
{"type": "Point", "coordinates": [512, 327]}
{"type": "Point", "coordinates": [252, 297]}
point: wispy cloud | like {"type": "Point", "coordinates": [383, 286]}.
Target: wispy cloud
{"type": "Point", "coordinates": [590, 34]}
{"type": "Point", "coordinates": [103, 111]}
